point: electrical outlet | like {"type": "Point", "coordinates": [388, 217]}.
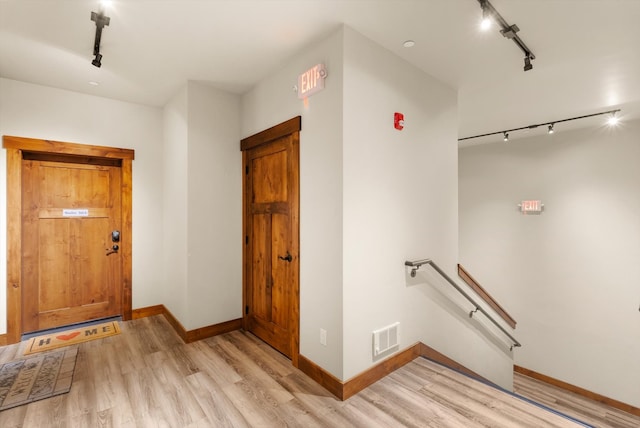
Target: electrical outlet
{"type": "Point", "coordinates": [323, 337]}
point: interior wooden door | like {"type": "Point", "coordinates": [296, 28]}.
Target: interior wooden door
{"type": "Point", "coordinates": [271, 242]}
{"type": "Point", "coordinates": [71, 259]}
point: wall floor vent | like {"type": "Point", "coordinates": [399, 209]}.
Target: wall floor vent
{"type": "Point", "coordinates": [386, 338]}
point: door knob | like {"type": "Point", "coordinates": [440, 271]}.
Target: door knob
{"type": "Point", "coordinates": [287, 258]}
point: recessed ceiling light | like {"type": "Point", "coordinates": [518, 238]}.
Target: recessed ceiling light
{"type": "Point", "coordinates": [409, 44]}
{"type": "Point", "coordinates": [94, 83]}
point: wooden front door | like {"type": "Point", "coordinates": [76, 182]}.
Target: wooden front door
{"type": "Point", "coordinates": [64, 200]}
{"type": "Point", "coordinates": [71, 225]}
{"type": "Point", "coordinates": [271, 262]}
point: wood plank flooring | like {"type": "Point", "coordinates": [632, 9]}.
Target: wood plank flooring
{"type": "Point", "coordinates": [147, 377]}
{"type": "Point", "coordinates": [572, 404]}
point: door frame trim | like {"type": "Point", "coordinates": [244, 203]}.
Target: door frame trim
{"type": "Point", "coordinates": [291, 126]}
{"type": "Point", "coordinates": [15, 147]}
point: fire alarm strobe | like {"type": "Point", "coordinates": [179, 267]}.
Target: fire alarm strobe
{"type": "Point", "coordinates": [398, 121]}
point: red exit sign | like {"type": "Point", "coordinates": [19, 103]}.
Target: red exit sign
{"type": "Point", "coordinates": [311, 81]}
{"type": "Point", "coordinates": [531, 207]}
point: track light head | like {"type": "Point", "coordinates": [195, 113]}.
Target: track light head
{"type": "Point", "coordinates": [550, 131]}
{"type": "Point", "coordinates": [505, 136]}
{"type": "Point", "coordinates": [97, 61]}
{"type": "Point", "coordinates": [613, 119]}
{"type": "Point", "coordinates": [485, 24]}
{"type": "Point", "coordinates": [527, 63]}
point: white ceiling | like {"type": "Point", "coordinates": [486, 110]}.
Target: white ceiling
{"type": "Point", "coordinates": [587, 51]}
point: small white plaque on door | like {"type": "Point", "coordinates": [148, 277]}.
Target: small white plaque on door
{"type": "Point", "coordinates": [75, 212]}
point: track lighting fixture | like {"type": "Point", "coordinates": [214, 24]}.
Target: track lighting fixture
{"type": "Point", "coordinates": [612, 120]}
{"type": "Point", "coordinates": [97, 61]}
{"type": "Point", "coordinates": [508, 31]}
{"type": "Point", "coordinates": [101, 21]}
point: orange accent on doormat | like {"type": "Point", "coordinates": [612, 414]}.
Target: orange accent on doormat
{"type": "Point", "coordinates": [71, 337]}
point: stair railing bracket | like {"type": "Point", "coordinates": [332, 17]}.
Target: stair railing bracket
{"type": "Point", "coordinates": [473, 312]}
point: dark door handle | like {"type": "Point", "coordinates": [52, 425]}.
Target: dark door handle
{"type": "Point", "coordinates": [287, 258]}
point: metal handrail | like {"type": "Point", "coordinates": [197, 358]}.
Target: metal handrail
{"type": "Point", "coordinates": [416, 265]}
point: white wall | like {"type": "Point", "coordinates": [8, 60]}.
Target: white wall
{"type": "Point", "coordinates": [187, 244]}
{"type": "Point", "coordinates": [187, 250]}
{"type": "Point", "coordinates": [214, 218]}
{"type": "Point", "coordinates": [203, 206]}
{"type": "Point", "coordinates": [33, 111]}
{"type": "Point", "coordinates": [371, 198]}
{"type": "Point", "coordinates": [400, 203]}
{"type": "Point", "coordinates": [271, 102]}
{"type": "Point", "coordinates": [570, 275]}
{"type": "Point", "coordinates": [175, 186]}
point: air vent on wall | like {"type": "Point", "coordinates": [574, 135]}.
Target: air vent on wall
{"type": "Point", "coordinates": [386, 338]}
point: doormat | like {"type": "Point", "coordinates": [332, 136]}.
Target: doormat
{"type": "Point", "coordinates": [34, 378]}
{"type": "Point", "coordinates": [72, 336]}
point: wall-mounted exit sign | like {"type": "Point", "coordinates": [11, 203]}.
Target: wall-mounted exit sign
{"type": "Point", "coordinates": [311, 81]}
{"type": "Point", "coordinates": [531, 207]}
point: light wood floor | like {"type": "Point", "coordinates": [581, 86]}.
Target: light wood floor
{"type": "Point", "coordinates": [574, 405]}
{"type": "Point", "coordinates": [146, 377]}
